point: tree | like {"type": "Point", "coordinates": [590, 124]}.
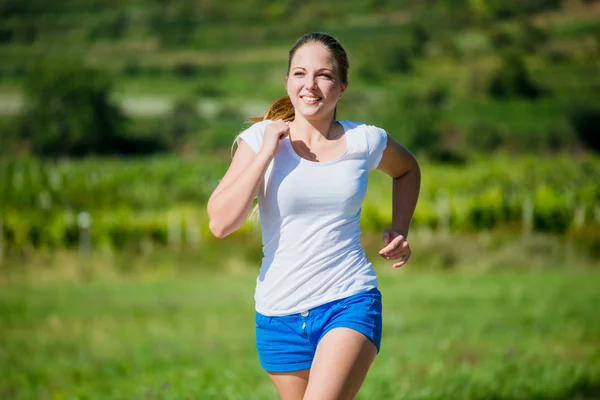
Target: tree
{"type": "Point", "coordinates": [586, 123]}
{"type": "Point", "coordinates": [69, 112]}
{"type": "Point", "coordinates": [513, 80]}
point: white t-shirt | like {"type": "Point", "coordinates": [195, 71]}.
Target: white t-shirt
{"type": "Point", "coordinates": [310, 216]}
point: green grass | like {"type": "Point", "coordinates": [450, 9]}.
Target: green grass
{"type": "Point", "coordinates": [531, 335]}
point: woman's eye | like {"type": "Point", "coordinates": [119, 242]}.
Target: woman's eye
{"type": "Point", "coordinates": [298, 74]}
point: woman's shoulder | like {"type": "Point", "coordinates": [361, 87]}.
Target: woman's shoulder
{"type": "Point", "coordinates": [256, 128]}
{"type": "Point", "coordinates": [369, 132]}
{"type": "Point", "coordinates": [364, 137]}
{"type": "Point", "coordinates": [351, 125]}
{"type": "Point", "coordinates": [259, 126]}
{"type": "Point", "coordinates": [359, 126]}
{"type": "Point", "coordinates": [253, 134]}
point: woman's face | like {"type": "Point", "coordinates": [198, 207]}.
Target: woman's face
{"type": "Point", "coordinates": [313, 82]}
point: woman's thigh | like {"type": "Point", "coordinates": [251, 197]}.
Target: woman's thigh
{"type": "Point", "coordinates": [341, 363]}
{"type": "Point", "coordinates": [290, 385]}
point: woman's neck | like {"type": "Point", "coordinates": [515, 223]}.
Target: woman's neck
{"type": "Point", "coordinates": [312, 130]}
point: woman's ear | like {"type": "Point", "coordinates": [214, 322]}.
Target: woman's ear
{"type": "Point", "coordinates": [344, 87]}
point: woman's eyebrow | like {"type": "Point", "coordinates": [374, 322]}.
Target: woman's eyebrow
{"type": "Point", "coordinates": [319, 70]}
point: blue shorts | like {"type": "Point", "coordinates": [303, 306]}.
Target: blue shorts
{"type": "Point", "coordinates": [288, 343]}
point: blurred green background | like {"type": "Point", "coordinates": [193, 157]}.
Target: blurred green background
{"type": "Point", "coordinates": [116, 123]}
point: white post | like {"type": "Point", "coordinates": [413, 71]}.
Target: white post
{"type": "Point", "coordinates": [579, 216]}
{"type": "Point", "coordinates": [45, 200]}
{"type": "Point", "coordinates": [35, 171]}
{"type": "Point", "coordinates": [443, 210]}
{"type": "Point", "coordinates": [84, 220]}
{"type": "Point", "coordinates": [174, 227]}
{"type": "Point", "coordinates": [192, 232]}
{"type": "Point", "coordinates": [1, 240]}
{"type": "Point", "coordinates": [18, 178]}
{"type": "Point", "coordinates": [527, 215]}
{"type": "Point", "coordinates": [55, 179]}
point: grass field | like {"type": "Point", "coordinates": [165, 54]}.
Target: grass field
{"type": "Point", "coordinates": [453, 335]}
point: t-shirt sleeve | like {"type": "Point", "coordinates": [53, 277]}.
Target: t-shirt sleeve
{"type": "Point", "coordinates": [376, 142]}
{"type": "Point", "coordinates": [253, 135]}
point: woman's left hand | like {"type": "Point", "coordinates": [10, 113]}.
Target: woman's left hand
{"type": "Point", "coordinates": [397, 247]}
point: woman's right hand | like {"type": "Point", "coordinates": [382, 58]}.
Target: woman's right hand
{"type": "Point", "coordinates": [274, 132]}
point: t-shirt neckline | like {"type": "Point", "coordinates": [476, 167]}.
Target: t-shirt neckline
{"type": "Point", "coordinates": [321, 163]}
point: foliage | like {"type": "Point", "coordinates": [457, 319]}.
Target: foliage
{"type": "Point", "coordinates": [175, 22]}
{"type": "Point", "coordinates": [504, 10]}
{"type": "Point", "coordinates": [70, 112]}
{"type": "Point", "coordinates": [182, 123]}
{"type": "Point", "coordinates": [108, 183]}
{"type": "Point", "coordinates": [512, 80]}
{"type": "Point", "coordinates": [413, 118]}
{"type": "Point", "coordinates": [136, 202]}
{"type": "Point", "coordinates": [498, 64]}
{"type": "Point", "coordinates": [586, 121]}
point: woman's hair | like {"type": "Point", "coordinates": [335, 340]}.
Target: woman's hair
{"type": "Point", "coordinates": [282, 108]}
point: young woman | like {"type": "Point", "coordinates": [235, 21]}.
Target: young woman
{"type": "Point", "coordinates": [318, 309]}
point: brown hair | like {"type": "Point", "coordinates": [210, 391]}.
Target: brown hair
{"type": "Point", "coordinates": [282, 108]}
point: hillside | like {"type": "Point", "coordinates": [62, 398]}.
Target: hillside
{"type": "Point", "coordinates": [464, 74]}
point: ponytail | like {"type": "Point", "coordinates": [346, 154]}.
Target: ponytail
{"type": "Point", "coordinates": [281, 108]}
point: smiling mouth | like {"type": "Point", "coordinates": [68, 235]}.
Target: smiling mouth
{"type": "Point", "coordinates": [311, 99]}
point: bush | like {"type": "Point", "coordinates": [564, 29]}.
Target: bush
{"type": "Point", "coordinates": [69, 112]}
{"type": "Point", "coordinates": [174, 24]}
{"type": "Point", "coordinates": [506, 10]}
{"type": "Point", "coordinates": [185, 70]}
{"type": "Point", "coordinates": [389, 57]}
{"type": "Point", "coordinates": [512, 80]}
{"type": "Point", "coordinates": [521, 36]}
{"type": "Point", "coordinates": [586, 123]}
{"type": "Point", "coordinates": [417, 127]}
{"type": "Point", "coordinates": [417, 130]}
{"type": "Point", "coordinates": [9, 137]}
{"type": "Point", "coordinates": [111, 27]}
{"type": "Point", "coordinates": [182, 123]}
{"type": "Point", "coordinates": [132, 68]}
{"type": "Point", "coordinates": [483, 136]}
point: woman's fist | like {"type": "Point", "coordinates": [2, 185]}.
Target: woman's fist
{"type": "Point", "coordinates": [397, 247]}
{"type": "Point", "coordinates": [274, 132]}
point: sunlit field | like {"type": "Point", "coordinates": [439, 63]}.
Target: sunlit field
{"type": "Point", "coordinates": [459, 335]}
{"type": "Point", "coordinates": [116, 125]}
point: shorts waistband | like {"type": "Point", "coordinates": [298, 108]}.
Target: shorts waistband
{"type": "Point", "coordinates": [323, 307]}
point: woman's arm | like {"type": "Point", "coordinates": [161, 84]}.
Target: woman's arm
{"type": "Point", "coordinates": [402, 166]}
{"type": "Point", "coordinates": [230, 203]}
